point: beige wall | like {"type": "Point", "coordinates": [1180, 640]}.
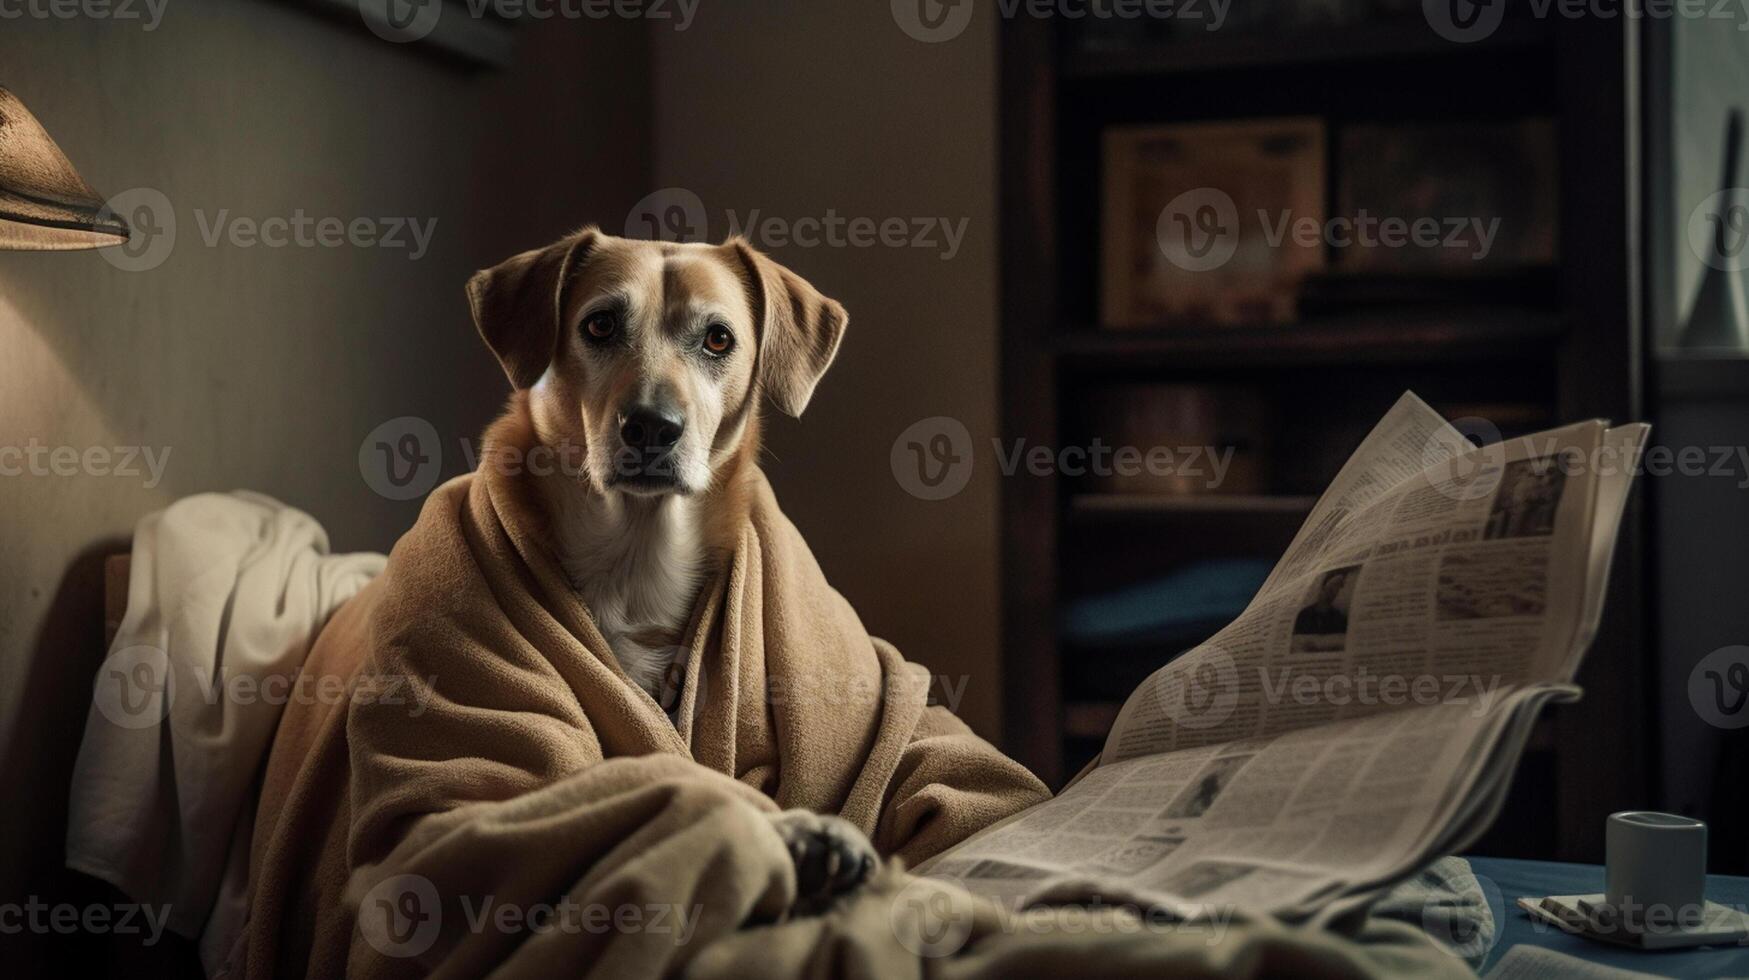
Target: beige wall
{"type": "Point", "coordinates": [800, 106]}
{"type": "Point", "coordinates": [263, 368]}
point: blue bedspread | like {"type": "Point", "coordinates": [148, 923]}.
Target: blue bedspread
{"type": "Point", "coordinates": [1506, 880]}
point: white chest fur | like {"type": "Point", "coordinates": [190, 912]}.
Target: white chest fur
{"type": "Point", "coordinates": [636, 562]}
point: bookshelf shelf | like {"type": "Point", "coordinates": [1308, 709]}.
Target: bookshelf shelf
{"type": "Point", "coordinates": [1108, 506]}
{"type": "Point", "coordinates": [1405, 337]}
{"type": "Point", "coordinates": [1089, 719]}
{"type": "Point", "coordinates": [1407, 39]}
{"type": "Point", "coordinates": [1699, 376]}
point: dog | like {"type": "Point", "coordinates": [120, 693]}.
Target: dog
{"type": "Point", "coordinates": [642, 379]}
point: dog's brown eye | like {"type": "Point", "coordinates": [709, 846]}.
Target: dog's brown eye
{"type": "Point", "coordinates": [601, 325]}
{"type": "Point", "coordinates": [718, 340]}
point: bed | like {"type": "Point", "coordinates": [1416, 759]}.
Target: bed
{"type": "Point", "coordinates": [1503, 880]}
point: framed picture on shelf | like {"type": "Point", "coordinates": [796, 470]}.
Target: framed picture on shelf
{"type": "Point", "coordinates": [1483, 195]}
{"type": "Point", "coordinates": [1199, 222]}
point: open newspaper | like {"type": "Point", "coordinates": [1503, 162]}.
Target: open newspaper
{"type": "Point", "coordinates": [1364, 714]}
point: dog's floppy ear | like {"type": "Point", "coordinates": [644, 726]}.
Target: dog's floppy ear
{"type": "Point", "coordinates": [799, 329]}
{"type": "Point", "coordinates": [518, 303]}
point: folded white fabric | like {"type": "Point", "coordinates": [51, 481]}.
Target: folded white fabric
{"type": "Point", "coordinates": [225, 595]}
{"type": "Point", "coordinates": [1448, 902]}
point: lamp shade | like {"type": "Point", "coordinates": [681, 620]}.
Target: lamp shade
{"type": "Point", "coordinates": [44, 203]}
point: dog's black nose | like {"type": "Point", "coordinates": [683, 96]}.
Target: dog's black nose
{"type": "Point", "coordinates": [651, 428]}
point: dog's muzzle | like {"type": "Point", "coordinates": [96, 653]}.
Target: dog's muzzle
{"type": "Point", "coordinates": [648, 435]}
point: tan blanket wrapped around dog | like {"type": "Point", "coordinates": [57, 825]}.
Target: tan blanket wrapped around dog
{"type": "Point", "coordinates": [502, 785]}
{"type": "Point", "coordinates": [491, 795]}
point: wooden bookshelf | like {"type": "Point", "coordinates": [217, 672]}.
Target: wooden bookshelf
{"type": "Point", "coordinates": [1121, 506]}
{"type": "Point", "coordinates": [1570, 354]}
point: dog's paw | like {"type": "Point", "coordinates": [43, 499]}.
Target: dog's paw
{"type": "Point", "coordinates": [831, 856]}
